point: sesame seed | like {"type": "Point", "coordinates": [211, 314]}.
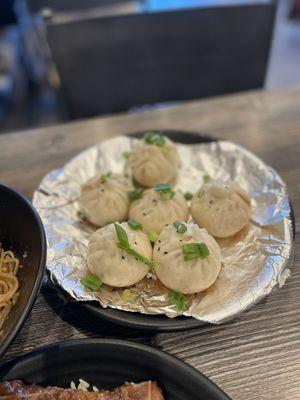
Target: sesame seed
{"type": "Point", "coordinates": [158, 249]}
{"type": "Point", "coordinates": [123, 257]}
{"type": "Point", "coordinates": [165, 252]}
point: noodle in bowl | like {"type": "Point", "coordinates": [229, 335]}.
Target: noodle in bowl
{"type": "Point", "coordinates": [9, 283]}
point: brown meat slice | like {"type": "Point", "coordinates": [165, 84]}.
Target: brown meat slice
{"type": "Point", "coordinates": [17, 390]}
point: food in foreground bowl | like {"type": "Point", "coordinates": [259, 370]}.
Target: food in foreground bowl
{"type": "Point", "coordinates": [104, 199]}
{"type": "Point", "coordinates": [159, 206]}
{"type": "Point", "coordinates": [222, 209]}
{"type": "Point", "coordinates": [154, 160]}
{"type": "Point", "coordinates": [9, 284]}
{"type": "Point", "coordinates": [17, 390]}
{"type": "Point", "coordinates": [119, 254]}
{"type": "Point", "coordinates": [186, 258]}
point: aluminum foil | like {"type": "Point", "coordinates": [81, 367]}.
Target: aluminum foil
{"type": "Point", "coordinates": [255, 260]}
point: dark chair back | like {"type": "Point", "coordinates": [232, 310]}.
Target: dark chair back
{"type": "Point", "coordinates": [114, 63]}
{"type": "Point", "coordinates": [66, 5]}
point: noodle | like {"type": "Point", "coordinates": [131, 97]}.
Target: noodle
{"type": "Point", "coordinates": [9, 284]}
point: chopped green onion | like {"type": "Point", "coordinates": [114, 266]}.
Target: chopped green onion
{"type": "Point", "coordinates": [180, 227]}
{"type": "Point", "coordinates": [167, 195]}
{"type": "Point", "coordinates": [123, 244]}
{"type": "Point", "coordinates": [201, 193]}
{"type": "Point", "coordinates": [188, 196]}
{"type": "Point", "coordinates": [135, 225]}
{"type": "Point", "coordinates": [179, 300]}
{"type": "Point", "coordinates": [165, 191]}
{"type": "Point", "coordinates": [126, 154]}
{"type": "Point", "coordinates": [207, 178]}
{"type": "Point", "coordinates": [155, 138]}
{"type": "Point", "coordinates": [135, 183]}
{"type": "Point", "coordinates": [150, 137]}
{"type": "Point", "coordinates": [161, 141]}
{"type": "Point", "coordinates": [122, 235]}
{"type": "Point", "coordinates": [195, 250]}
{"type": "Point", "coordinates": [138, 298]}
{"type": "Point", "coordinates": [80, 215]}
{"type": "Point", "coordinates": [92, 282]}
{"type": "Point", "coordinates": [126, 294]}
{"type": "Point", "coordinates": [152, 235]}
{"type": "Point", "coordinates": [105, 177]}
{"type": "Point", "coordinates": [135, 194]}
{"type": "Point", "coordinates": [135, 254]}
{"type": "Point", "coordinates": [161, 186]}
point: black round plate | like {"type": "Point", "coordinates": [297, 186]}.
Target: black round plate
{"type": "Point", "coordinates": [155, 323]}
{"type": "Point", "coordinates": [109, 364]}
{"type": "Point", "coordinates": [21, 230]}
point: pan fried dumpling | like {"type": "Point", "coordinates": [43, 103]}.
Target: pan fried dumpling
{"type": "Point", "coordinates": [154, 160]}
{"type": "Point", "coordinates": [222, 209]}
{"type": "Point", "coordinates": [187, 260]}
{"type": "Point", "coordinates": [104, 199]}
{"type": "Point", "coordinates": [159, 206]}
{"type": "Point", "coordinates": [115, 266]}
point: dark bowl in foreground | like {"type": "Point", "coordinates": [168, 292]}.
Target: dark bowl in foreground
{"type": "Point", "coordinates": [21, 231]}
{"type": "Point", "coordinates": [108, 364]}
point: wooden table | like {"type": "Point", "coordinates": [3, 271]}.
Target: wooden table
{"type": "Point", "coordinates": [254, 357]}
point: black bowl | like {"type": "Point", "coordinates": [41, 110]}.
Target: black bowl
{"type": "Point", "coordinates": [108, 364]}
{"type": "Point", "coordinates": [21, 230]}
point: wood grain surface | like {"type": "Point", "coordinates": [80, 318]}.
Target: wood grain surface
{"type": "Point", "coordinates": [254, 357]}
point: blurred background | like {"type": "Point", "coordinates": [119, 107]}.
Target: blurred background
{"type": "Point", "coordinates": [62, 60]}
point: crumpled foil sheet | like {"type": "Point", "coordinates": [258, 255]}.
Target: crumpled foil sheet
{"type": "Point", "coordinates": [255, 260]}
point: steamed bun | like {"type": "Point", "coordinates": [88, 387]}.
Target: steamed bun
{"type": "Point", "coordinates": [154, 163]}
{"type": "Point", "coordinates": [154, 213]}
{"type": "Point", "coordinates": [222, 209]}
{"type": "Point", "coordinates": [114, 266]}
{"type": "Point", "coordinates": [174, 272]}
{"type": "Point", "coordinates": [105, 199]}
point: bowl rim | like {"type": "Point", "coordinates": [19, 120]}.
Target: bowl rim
{"type": "Point", "coordinates": [119, 344]}
{"type": "Point", "coordinates": [40, 274]}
